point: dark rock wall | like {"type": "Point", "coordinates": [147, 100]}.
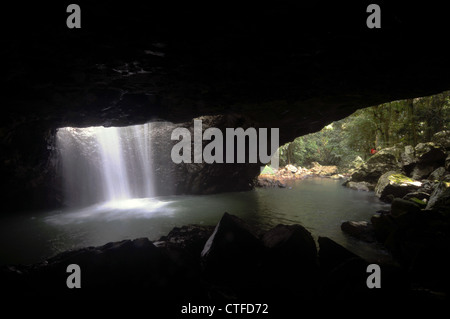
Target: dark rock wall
{"type": "Point", "coordinates": [293, 65]}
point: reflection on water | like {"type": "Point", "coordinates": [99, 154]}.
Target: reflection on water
{"type": "Point", "coordinates": [321, 205]}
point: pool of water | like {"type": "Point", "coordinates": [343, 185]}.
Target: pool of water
{"type": "Point", "coordinates": [319, 204]}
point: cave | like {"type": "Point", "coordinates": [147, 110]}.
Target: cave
{"type": "Point", "coordinates": [157, 66]}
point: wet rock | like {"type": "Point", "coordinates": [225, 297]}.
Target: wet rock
{"type": "Point", "coordinates": [394, 184]}
{"type": "Point", "coordinates": [361, 230]}
{"type": "Point", "coordinates": [359, 186]}
{"type": "Point", "coordinates": [269, 181]}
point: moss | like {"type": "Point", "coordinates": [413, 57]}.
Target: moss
{"type": "Point", "coordinates": [418, 201]}
{"type": "Point", "coordinates": [400, 179]}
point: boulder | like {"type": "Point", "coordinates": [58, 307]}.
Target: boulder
{"type": "Point", "coordinates": [291, 242]}
{"type": "Point", "coordinates": [440, 198]}
{"type": "Point", "coordinates": [442, 139]}
{"type": "Point", "coordinates": [394, 184]}
{"type": "Point", "coordinates": [361, 230]}
{"type": "Point", "coordinates": [359, 186]}
{"type": "Point", "coordinates": [438, 174]}
{"type": "Point", "coordinates": [429, 153]}
{"type": "Point", "coordinates": [332, 254]}
{"type": "Point", "coordinates": [357, 162]}
{"type": "Point", "coordinates": [421, 171]}
{"type": "Point", "coordinates": [408, 157]}
{"type": "Point", "coordinates": [402, 206]}
{"type": "Point", "coordinates": [321, 170]}
{"type": "Point", "coordinates": [375, 166]}
{"type": "Point", "coordinates": [269, 181]}
{"type": "Point", "coordinates": [383, 225]}
{"type": "Point", "coordinates": [417, 196]}
{"type": "Point", "coordinates": [233, 251]}
{"type": "Point", "coordinates": [291, 168]}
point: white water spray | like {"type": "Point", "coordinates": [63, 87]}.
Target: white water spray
{"type": "Point", "coordinates": [106, 164]}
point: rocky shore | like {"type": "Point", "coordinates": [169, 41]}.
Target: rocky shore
{"type": "Point", "coordinates": [416, 229]}
{"type": "Point", "coordinates": [228, 262]}
{"type": "Point", "coordinates": [271, 178]}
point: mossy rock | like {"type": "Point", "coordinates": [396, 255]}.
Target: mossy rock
{"type": "Point", "coordinates": [394, 184]}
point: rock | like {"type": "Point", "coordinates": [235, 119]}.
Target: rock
{"type": "Point", "coordinates": [332, 254]}
{"type": "Point", "coordinates": [343, 271]}
{"type": "Point", "coordinates": [375, 166]}
{"type": "Point", "coordinates": [402, 206]}
{"type": "Point", "coordinates": [438, 174]}
{"type": "Point", "coordinates": [337, 176]}
{"type": "Point", "coordinates": [191, 238]}
{"type": "Point", "coordinates": [232, 253]}
{"type": "Point", "coordinates": [421, 171]}
{"type": "Point", "coordinates": [291, 257]}
{"type": "Point", "coordinates": [417, 197]}
{"type": "Point", "coordinates": [320, 170]}
{"type": "Point", "coordinates": [269, 181]}
{"type": "Point", "coordinates": [383, 225]}
{"type": "Point", "coordinates": [429, 153]}
{"type": "Point", "coordinates": [293, 243]}
{"type": "Point", "coordinates": [291, 168]}
{"type": "Point", "coordinates": [440, 199]}
{"type": "Point", "coordinates": [408, 157]}
{"type": "Point", "coordinates": [361, 230]}
{"type": "Point", "coordinates": [442, 139]}
{"type": "Point", "coordinates": [394, 184]}
{"type": "Point", "coordinates": [359, 186]}
{"type": "Point", "coordinates": [447, 163]}
{"type": "Point", "coordinates": [357, 163]}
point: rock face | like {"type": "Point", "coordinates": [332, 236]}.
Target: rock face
{"type": "Point", "coordinates": [394, 184]}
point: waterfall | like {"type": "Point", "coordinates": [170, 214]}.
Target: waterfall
{"type": "Point", "coordinates": [101, 164]}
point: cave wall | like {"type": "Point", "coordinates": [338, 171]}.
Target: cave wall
{"type": "Point", "coordinates": [293, 65]}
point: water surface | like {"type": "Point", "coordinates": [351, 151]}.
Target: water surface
{"type": "Point", "coordinates": [319, 204]}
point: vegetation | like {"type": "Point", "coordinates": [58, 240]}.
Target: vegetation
{"type": "Point", "coordinates": [409, 122]}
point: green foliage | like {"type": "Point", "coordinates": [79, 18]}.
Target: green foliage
{"type": "Point", "coordinates": [268, 170]}
{"type": "Point", "coordinates": [410, 121]}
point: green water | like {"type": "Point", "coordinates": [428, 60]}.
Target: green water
{"type": "Point", "coordinates": [321, 205]}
